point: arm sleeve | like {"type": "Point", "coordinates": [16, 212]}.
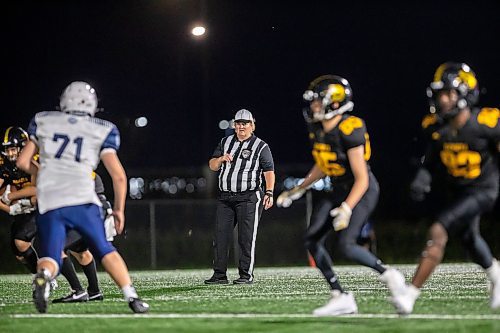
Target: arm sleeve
{"type": "Point", "coordinates": [32, 131]}
{"type": "Point", "coordinates": [266, 159]}
{"type": "Point", "coordinates": [353, 131]}
{"type": "Point", "coordinates": [218, 152]}
{"type": "Point", "coordinates": [112, 141]}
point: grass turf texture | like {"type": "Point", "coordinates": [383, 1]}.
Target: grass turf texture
{"type": "Point", "coordinates": [455, 299]}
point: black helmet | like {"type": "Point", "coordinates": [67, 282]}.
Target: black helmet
{"type": "Point", "coordinates": [14, 137]}
{"type": "Point", "coordinates": [329, 89]}
{"type": "Point", "coordinates": [456, 76]}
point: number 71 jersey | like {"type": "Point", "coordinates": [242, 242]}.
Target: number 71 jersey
{"type": "Point", "coordinates": [70, 146]}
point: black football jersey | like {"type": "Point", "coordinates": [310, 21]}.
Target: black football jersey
{"type": "Point", "coordinates": [12, 175]}
{"type": "Point", "coordinates": [469, 154]}
{"type": "Point", "coordinates": [329, 150]}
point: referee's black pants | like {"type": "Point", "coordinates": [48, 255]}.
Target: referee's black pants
{"type": "Point", "coordinates": [242, 209]}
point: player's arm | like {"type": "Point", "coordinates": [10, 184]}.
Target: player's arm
{"type": "Point", "coordinates": [3, 206]}
{"type": "Point", "coordinates": [312, 177]}
{"type": "Point", "coordinates": [118, 176]}
{"type": "Point", "coordinates": [360, 171]}
{"type": "Point", "coordinates": [286, 198]}
{"type": "Point", "coordinates": [25, 159]}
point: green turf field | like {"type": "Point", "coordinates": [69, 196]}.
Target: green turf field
{"type": "Point", "coordinates": [280, 300]}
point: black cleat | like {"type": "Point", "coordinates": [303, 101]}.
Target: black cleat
{"type": "Point", "coordinates": [98, 296]}
{"type": "Point", "coordinates": [217, 280]}
{"type": "Point", "coordinates": [243, 280]}
{"type": "Point", "coordinates": [75, 297]}
{"type": "Point", "coordinates": [41, 290]}
{"type": "Point", "coordinates": [137, 305]}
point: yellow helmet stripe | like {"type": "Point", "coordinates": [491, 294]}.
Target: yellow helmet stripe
{"type": "Point", "coordinates": [6, 137]}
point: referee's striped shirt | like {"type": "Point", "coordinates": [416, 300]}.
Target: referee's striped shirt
{"type": "Point", "coordinates": [251, 157]}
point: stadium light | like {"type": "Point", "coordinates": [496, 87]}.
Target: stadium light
{"type": "Point", "coordinates": [141, 122]}
{"type": "Point", "coordinates": [198, 31]}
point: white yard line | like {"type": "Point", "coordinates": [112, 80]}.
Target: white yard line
{"type": "Point", "coordinates": [260, 316]}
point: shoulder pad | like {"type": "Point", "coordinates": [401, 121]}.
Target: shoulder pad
{"type": "Point", "coordinates": [488, 117]}
{"type": "Point", "coordinates": [348, 125]}
{"type": "Point", "coordinates": [428, 120]}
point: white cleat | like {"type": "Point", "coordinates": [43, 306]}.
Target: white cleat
{"type": "Point", "coordinates": [494, 275]}
{"type": "Point", "coordinates": [405, 301]}
{"type": "Point", "coordinates": [339, 304]}
{"type": "Point", "coordinates": [53, 285]}
{"type": "Point", "coordinates": [394, 280]}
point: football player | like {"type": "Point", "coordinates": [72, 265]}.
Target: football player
{"type": "Point", "coordinates": [71, 143]}
{"type": "Point", "coordinates": [79, 249]}
{"type": "Point", "coordinates": [341, 149]}
{"type": "Point", "coordinates": [18, 198]}
{"type": "Point", "coordinates": [465, 147]}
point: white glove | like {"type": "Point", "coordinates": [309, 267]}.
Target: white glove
{"type": "Point", "coordinates": [109, 225]}
{"type": "Point", "coordinates": [5, 196]}
{"type": "Point", "coordinates": [341, 216]}
{"type": "Point", "coordinates": [15, 209]}
{"type": "Point", "coordinates": [286, 198]}
{"type": "Point", "coordinates": [26, 206]}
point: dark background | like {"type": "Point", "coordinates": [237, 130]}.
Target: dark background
{"type": "Point", "coordinates": [259, 55]}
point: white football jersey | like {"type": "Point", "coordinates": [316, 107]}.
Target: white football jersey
{"type": "Point", "coordinates": [70, 146]}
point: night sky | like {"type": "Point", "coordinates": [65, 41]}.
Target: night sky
{"type": "Point", "coordinates": [142, 61]}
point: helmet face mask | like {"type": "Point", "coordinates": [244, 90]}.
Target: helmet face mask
{"type": "Point", "coordinates": [334, 95]}
{"type": "Point", "coordinates": [14, 140]}
{"type": "Point", "coordinates": [79, 96]}
{"type": "Point", "coordinates": [457, 77]}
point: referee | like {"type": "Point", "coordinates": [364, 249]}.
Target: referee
{"type": "Point", "coordinates": [241, 159]}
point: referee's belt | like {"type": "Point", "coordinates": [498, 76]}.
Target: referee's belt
{"type": "Point", "coordinates": [230, 194]}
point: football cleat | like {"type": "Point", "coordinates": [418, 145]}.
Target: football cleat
{"type": "Point", "coordinates": [243, 280]}
{"type": "Point", "coordinates": [405, 300]}
{"type": "Point", "coordinates": [137, 305]}
{"type": "Point", "coordinates": [53, 284]}
{"type": "Point", "coordinates": [98, 296]}
{"type": "Point", "coordinates": [394, 280]}
{"type": "Point", "coordinates": [217, 280]}
{"type": "Point", "coordinates": [494, 275]}
{"type": "Point", "coordinates": [75, 297]}
{"type": "Point", "coordinates": [339, 304]}
{"type": "Point", "coordinates": [41, 291]}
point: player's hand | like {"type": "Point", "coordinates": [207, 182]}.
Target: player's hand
{"type": "Point", "coordinates": [26, 206]}
{"type": "Point", "coordinates": [5, 196]}
{"type": "Point", "coordinates": [286, 198]}
{"type": "Point", "coordinates": [15, 209]}
{"type": "Point", "coordinates": [268, 199]}
{"type": "Point", "coordinates": [341, 216]}
{"type": "Point", "coordinates": [421, 185]}
{"type": "Point", "coordinates": [119, 221]}
{"type": "Point", "coordinates": [109, 225]}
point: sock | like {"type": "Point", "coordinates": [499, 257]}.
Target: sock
{"type": "Point", "coordinates": [30, 259]}
{"type": "Point", "coordinates": [129, 292]}
{"type": "Point", "coordinates": [91, 274]}
{"type": "Point", "coordinates": [334, 283]}
{"type": "Point", "coordinates": [68, 271]}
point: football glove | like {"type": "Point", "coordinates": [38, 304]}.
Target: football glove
{"type": "Point", "coordinates": [109, 225]}
{"type": "Point", "coordinates": [26, 206]}
{"type": "Point", "coordinates": [341, 216]}
{"type": "Point", "coordinates": [421, 185]}
{"type": "Point", "coordinates": [15, 209]}
{"type": "Point", "coordinates": [5, 196]}
{"type": "Point", "coordinates": [286, 198]}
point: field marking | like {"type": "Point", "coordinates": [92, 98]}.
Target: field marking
{"type": "Point", "coordinates": [260, 315]}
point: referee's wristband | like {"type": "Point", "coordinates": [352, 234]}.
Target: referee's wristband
{"type": "Point", "coordinates": [269, 193]}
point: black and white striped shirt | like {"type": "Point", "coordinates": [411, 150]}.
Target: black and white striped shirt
{"type": "Point", "coordinates": [251, 157]}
